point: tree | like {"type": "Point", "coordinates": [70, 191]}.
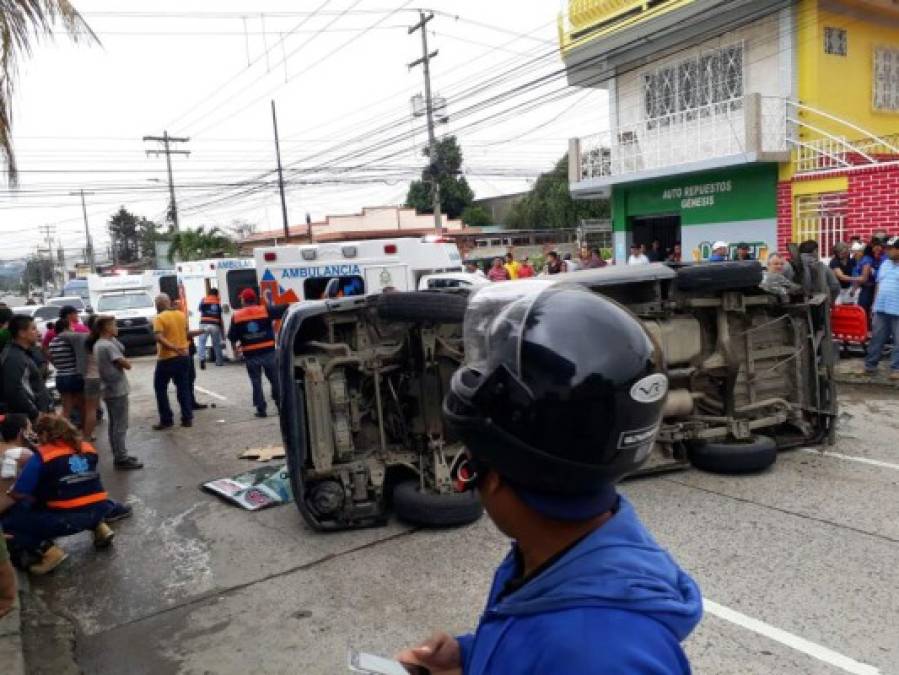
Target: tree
{"type": "Point", "coordinates": [242, 228]}
{"type": "Point", "coordinates": [200, 244]}
{"type": "Point", "coordinates": [455, 193]}
{"type": "Point", "coordinates": [22, 23]}
{"type": "Point", "coordinates": [38, 269]}
{"type": "Point", "coordinates": [133, 237]}
{"type": "Point", "coordinates": [476, 216]}
{"type": "Point", "coordinates": [549, 203]}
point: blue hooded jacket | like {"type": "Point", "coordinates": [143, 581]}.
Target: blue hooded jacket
{"type": "Point", "coordinates": [614, 603]}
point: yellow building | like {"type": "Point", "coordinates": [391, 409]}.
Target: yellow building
{"type": "Point", "coordinates": [764, 121]}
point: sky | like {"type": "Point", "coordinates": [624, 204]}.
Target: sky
{"type": "Point", "coordinates": [337, 71]}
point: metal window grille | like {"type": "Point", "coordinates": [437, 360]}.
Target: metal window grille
{"type": "Point", "coordinates": [886, 79]}
{"type": "Point", "coordinates": [710, 82]}
{"type": "Point", "coordinates": [836, 41]}
{"type": "Point", "coordinates": [822, 218]}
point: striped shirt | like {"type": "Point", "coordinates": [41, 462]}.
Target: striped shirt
{"type": "Point", "coordinates": [62, 354]}
{"type": "Point", "coordinates": [887, 300]}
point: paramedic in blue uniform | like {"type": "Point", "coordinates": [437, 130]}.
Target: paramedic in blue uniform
{"type": "Point", "coordinates": [550, 424]}
{"type": "Point", "coordinates": [252, 328]}
{"type": "Point", "coordinates": [211, 325]}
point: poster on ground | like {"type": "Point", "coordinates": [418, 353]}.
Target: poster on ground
{"type": "Point", "coordinates": [256, 489]}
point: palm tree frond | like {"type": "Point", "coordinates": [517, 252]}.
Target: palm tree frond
{"type": "Point", "coordinates": [22, 24]}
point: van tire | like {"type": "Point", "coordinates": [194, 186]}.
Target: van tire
{"type": "Point", "coordinates": [422, 307]}
{"type": "Point", "coordinates": [721, 276]}
{"type": "Point", "coordinates": [735, 457]}
{"type": "Point", "coordinates": [430, 509]}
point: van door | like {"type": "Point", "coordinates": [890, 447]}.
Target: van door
{"type": "Point", "coordinates": [394, 277]}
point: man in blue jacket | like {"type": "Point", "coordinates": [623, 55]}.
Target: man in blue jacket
{"type": "Point", "coordinates": [551, 421]}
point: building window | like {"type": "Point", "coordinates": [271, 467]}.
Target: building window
{"type": "Point", "coordinates": [835, 41]}
{"type": "Point", "coordinates": [886, 79]}
{"type": "Point", "coordinates": [822, 218]}
{"type": "Point", "coordinates": [710, 82]}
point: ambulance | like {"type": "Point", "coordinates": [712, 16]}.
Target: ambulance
{"type": "Point", "coordinates": [129, 299]}
{"type": "Point", "coordinates": [197, 278]}
{"type": "Point", "coordinates": [294, 273]}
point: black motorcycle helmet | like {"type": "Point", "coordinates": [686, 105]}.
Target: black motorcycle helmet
{"type": "Point", "coordinates": [562, 390]}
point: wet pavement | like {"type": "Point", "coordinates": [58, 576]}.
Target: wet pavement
{"type": "Point", "coordinates": [798, 565]}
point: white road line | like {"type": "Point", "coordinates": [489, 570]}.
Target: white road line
{"type": "Point", "coordinates": [813, 649]}
{"type": "Point", "coordinates": [851, 458]}
{"type": "Point", "coordinates": [210, 393]}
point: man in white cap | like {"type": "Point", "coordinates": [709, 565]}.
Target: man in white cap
{"type": "Point", "coordinates": [719, 251]}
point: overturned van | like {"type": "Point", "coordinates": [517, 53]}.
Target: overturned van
{"type": "Point", "coordinates": [749, 363]}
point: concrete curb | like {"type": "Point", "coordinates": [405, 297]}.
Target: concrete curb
{"type": "Point", "coordinates": [11, 649]}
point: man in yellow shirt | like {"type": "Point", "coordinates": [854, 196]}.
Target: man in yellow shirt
{"type": "Point", "coordinates": [173, 363]}
{"type": "Point", "coordinates": [512, 266]}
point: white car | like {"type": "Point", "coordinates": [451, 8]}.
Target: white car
{"type": "Point", "coordinates": [467, 280]}
{"type": "Point", "coordinates": [43, 315]}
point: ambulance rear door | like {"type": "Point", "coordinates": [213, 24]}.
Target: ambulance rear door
{"type": "Point", "coordinates": [393, 277]}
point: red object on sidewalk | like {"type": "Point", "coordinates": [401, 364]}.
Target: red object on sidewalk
{"type": "Point", "coordinates": [849, 324]}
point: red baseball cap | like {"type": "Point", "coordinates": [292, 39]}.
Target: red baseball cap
{"type": "Point", "coordinates": [248, 295]}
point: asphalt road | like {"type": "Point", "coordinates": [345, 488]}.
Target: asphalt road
{"type": "Point", "coordinates": [799, 567]}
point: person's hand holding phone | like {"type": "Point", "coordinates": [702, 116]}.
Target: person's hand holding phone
{"type": "Point", "coordinates": [440, 654]}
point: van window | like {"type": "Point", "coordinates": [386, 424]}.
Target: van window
{"type": "Point", "coordinates": [115, 303]}
{"type": "Point", "coordinates": [168, 284]}
{"type": "Point", "coordinates": [314, 289]}
{"type": "Point", "coordinates": [238, 280]}
{"type": "Point", "coordinates": [448, 283]}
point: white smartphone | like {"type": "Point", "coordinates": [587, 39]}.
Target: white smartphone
{"type": "Point", "coordinates": [370, 664]}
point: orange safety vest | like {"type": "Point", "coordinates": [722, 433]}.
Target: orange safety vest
{"type": "Point", "coordinates": [69, 480]}
{"type": "Point", "coordinates": [254, 328]}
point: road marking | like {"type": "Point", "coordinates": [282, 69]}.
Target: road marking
{"type": "Point", "coordinates": [210, 393]}
{"type": "Point", "coordinates": [813, 649]}
{"type": "Point", "coordinates": [851, 458]}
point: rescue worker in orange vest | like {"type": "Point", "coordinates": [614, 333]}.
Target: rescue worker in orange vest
{"type": "Point", "coordinates": [58, 493]}
{"type": "Point", "coordinates": [211, 325]}
{"type": "Point", "coordinates": [252, 328]}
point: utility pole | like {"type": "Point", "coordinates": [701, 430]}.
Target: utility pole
{"type": "Point", "coordinates": [61, 259]}
{"type": "Point", "coordinates": [166, 150]}
{"type": "Point", "coordinates": [89, 244]}
{"type": "Point", "coordinates": [425, 62]}
{"type": "Point", "coordinates": [280, 175]}
{"type": "Point", "coordinates": [47, 231]}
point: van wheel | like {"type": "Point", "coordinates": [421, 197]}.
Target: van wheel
{"type": "Point", "coordinates": [723, 276]}
{"type": "Point", "coordinates": [734, 457]}
{"type": "Point", "coordinates": [422, 306]}
{"type": "Point", "coordinates": [430, 509]}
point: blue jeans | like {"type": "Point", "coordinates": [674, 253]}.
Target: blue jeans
{"type": "Point", "coordinates": [215, 333]}
{"type": "Point", "coordinates": [175, 370]}
{"type": "Point", "coordinates": [30, 527]}
{"type": "Point", "coordinates": [256, 365]}
{"type": "Point", "coordinates": [884, 327]}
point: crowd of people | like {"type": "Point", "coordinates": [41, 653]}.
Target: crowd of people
{"type": "Point", "coordinates": [51, 484]}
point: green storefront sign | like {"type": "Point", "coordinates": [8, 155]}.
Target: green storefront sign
{"type": "Point", "coordinates": [727, 195]}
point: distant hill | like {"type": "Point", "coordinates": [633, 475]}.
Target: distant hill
{"type": "Point", "coordinates": [11, 268]}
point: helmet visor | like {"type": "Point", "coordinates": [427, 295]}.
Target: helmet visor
{"type": "Point", "coordinates": [495, 320]}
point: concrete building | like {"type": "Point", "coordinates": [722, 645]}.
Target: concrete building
{"type": "Point", "coordinates": [373, 223]}
{"type": "Point", "coordinates": [500, 206]}
{"type": "Point", "coordinates": [765, 121]}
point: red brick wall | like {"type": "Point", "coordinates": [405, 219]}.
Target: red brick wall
{"type": "Point", "coordinates": [873, 202]}
{"type": "Point", "coordinates": [784, 214]}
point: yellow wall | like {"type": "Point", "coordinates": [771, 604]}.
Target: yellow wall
{"type": "Point", "coordinates": [844, 85]}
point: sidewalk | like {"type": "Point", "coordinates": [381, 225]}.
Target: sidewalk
{"type": "Point", "coordinates": [11, 652]}
{"type": "Point", "coordinates": [849, 371]}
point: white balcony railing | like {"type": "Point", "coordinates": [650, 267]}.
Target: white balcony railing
{"type": "Point", "coordinates": [750, 128]}
{"type": "Point", "coordinates": [740, 126]}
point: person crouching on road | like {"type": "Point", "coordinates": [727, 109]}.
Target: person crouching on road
{"type": "Point", "coordinates": [59, 493]}
{"type": "Point", "coordinates": [252, 328]}
{"type": "Point", "coordinates": [550, 424]}
{"type": "Point", "coordinates": [211, 325]}
{"type": "Point", "coordinates": [172, 365]}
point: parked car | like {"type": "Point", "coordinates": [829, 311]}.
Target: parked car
{"type": "Point", "coordinates": [43, 315]}
{"type": "Point", "coordinates": [76, 301]}
{"type": "Point", "coordinates": [363, 379]}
